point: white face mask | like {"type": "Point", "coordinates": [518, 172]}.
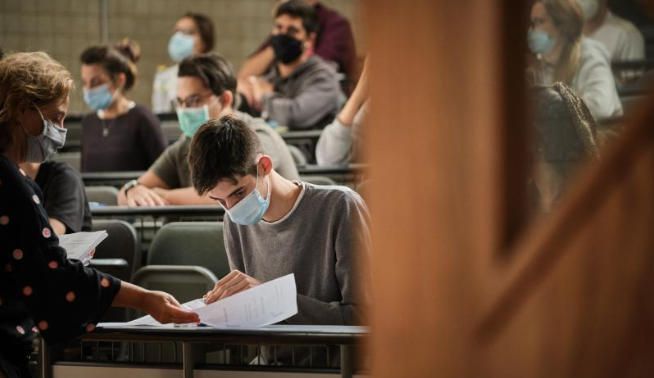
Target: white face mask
{"type": "Point", "coordinates": [43, 146]}
{"type": "Point", "coordinates": [589, 8]}
{"type": "Point", "coordinates": [251, 209]}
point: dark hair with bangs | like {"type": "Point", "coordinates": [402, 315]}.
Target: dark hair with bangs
{"type": "Point", "coordinates": [222, 149]}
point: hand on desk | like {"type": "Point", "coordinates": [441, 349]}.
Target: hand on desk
{"type": "Point", "coordinates": [165, 309]}
{"type": "Point", "coordinates": [232, 283]}
{"type": "Point", "coordinates": [141, 195]}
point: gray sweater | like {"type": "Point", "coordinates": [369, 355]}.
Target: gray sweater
{"type": "Point", "coordinates": [315, 240]}
{"type": "Point", "coordinates": [309, 97]}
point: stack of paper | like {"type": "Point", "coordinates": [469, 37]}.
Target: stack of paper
{"type": "Point", "coordinates": [262, 305]}
{"type": "Point", "coordinates": [81, 245]}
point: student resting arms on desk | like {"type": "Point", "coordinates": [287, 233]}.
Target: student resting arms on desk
{"type": "Point", "coordinates": [275, 226]}
{"type": "Point", "coordinates": [205, 89]}
{"type": "Point", "coordinates": [41, 291]}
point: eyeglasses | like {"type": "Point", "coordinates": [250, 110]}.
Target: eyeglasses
{"type": "Point", "coordinates": [192, 101]}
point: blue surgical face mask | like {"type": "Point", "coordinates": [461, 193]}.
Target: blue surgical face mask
{"type": "Point", "coordinates": [43, 146]}
{"type": "Point", "coordinates": [540, 42]}
{"type": "Point", "coordinates": [98, 98]}
{"type": "Point", "coordinates": [250, 209]}
{"type": "Point", "coordinates": [190, 119]}
{"type": "Point", "coordinates": [180, 46]}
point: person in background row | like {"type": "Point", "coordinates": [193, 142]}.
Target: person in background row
{"type": "Point", "coordinates": [339, 142]}
{"type": "Point", "coordinates": [274, 226]}
{"type": "Point", "coordinates": [193, 34]}
{"type": "Point", "coordinates": [334, 43]}
{"type": "Point", "coordinates": [64, 197]}
{"type": "Point", "coordinates": [561, 53]}
{"type": "Point", "coordinates": [41, 290]}
{"type": "Point", "coordinates": [205, 90]}
{"type": "Point", "coordinates": [300, 90]}
{"type": "Point", "coordinates": [119, 135]}
{"type": "Point", "coordinates": [565, 133]}
{"type": "Point", "coordinates": [620, 37]}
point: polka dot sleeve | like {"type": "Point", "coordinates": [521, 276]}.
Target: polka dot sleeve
{"type": "Point", "coordinates": [62, 297]}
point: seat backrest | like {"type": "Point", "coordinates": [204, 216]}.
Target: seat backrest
{"type": "Point", "coordinates": [190, 243]}
{"type": "Point", "coordinates": [121, 243]}
{"type": "Point", "coordinates": [184, 282]}
{"type": "Point", "coordinates": [74, 159]}
{"type": "Point", "coordinates": [318, 180]}
{"type": "Point", "coordinates": [298, 156]}
{"type": "Point", "coordinates": [105, 195]}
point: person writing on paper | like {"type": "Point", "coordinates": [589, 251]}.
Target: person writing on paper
{"type": "Point", "coordinates": [41, 291]}
{"type": "Point", "coordinates": [205, 89]}
{"type": "Point", "coordinates": [275, 226]}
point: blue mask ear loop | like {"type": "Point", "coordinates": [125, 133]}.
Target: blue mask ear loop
{"type": "Point", "coordinates": [267, 184]}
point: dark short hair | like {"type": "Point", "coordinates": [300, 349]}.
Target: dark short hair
{"type": "Point", "coordinates": [300, 9]}
{"type": "Point", "coordinates": [116, 59]}
{"type": "Point", "coordinates": [205, 28]}
{"type": "Point", "coordinates": [222, 149]}
{"type": "Point", "coordinates": [213, 70]}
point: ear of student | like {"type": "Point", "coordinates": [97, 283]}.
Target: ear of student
{"type": "Point", "coordinates": [227, 99]}
{"type": "Point", "coordinates": [120, 80]}
{"type": "Point", "coordinates": [265, 164]}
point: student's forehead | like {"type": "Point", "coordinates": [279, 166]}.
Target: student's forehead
{"type": "Point", "coordinates": [227, 186]}
{"type": "Point", "coordinates": [287, 21]}
{"type": "Point", "coordinates": [185, 24]}
{"type": "Point", "coordinates": [59, 105]}
{"type": "Point", "coordinates": [188, 85]}
{"type": "Point", "coordinates": [93, 70]}
{"type": "Point", "coordinates": [538, 11]}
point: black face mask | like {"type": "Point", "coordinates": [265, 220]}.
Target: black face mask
{"type": "Point", "coordinates": [287, 49]}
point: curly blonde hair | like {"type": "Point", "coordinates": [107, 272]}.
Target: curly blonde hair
{"type": "Point", "coordinates": [26, 79]}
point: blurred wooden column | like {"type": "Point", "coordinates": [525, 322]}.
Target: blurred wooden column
{"type": "Point", "coordinates": [448, 112]}
{"type": "Point", "coordinates": [460, 289]}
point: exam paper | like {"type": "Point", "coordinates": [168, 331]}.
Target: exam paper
{"type": "Point", "coordinates": [268, 303]}
{"type": "Point", "coordinates": [79, 245]}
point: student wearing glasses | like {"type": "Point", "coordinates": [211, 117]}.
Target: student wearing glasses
{"type": "Point", "coordinates": [205, 90]}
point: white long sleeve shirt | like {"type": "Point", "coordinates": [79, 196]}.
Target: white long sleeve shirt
{"type": "Point", "coordinates": [594, 81]}
{"type": "Point", "coordinates": [621, 39]}
{"type": "Point", "coordinates": [164, 90]}
{"type": "Point", "coordinates": [338, 144]}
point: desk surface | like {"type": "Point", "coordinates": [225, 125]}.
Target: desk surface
{"type": "Point", "coordinates": [122, 177]}
{"type": "Point", "coordinates": [296, 334]}
{"type": "Point", "coordinates": [157, 211]}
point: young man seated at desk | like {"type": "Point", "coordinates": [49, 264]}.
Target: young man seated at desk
{"type": "Point", "coordinates": [205, 89]}
{"type": "Point", "coordinates": [276, 226]}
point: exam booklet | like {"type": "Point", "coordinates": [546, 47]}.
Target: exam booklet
{"type": "Point", "coordinates": [80, 245]}
{"type": "Point", "coordinates": [265, 304]}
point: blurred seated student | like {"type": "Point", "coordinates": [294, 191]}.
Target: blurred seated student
{"type": "Point", "coordinates": [193, 34]}
{"type": "Point", "coordinates": [205, 90]}
{"type": "Point", "coordinates": [64, 197]}
{"type": "Point", "coordinates": [119, 135]}
{"type": "Point", "coordinates": [620, 37]}
{"type": "Point", "coordinates": [561, 53]}
{"type": "Point", "coordinates": [275, 226]}
{"type": "Point", "coordinates": [339, 141]}
{"type": "Point", "coordinates": [565, 135]}
{"type": "Point", "coordinates": [41, 290]}
{"type": "Point", "coordinates": [334, 43]}
{"type": "Point", "coordinates": [300, 90]}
